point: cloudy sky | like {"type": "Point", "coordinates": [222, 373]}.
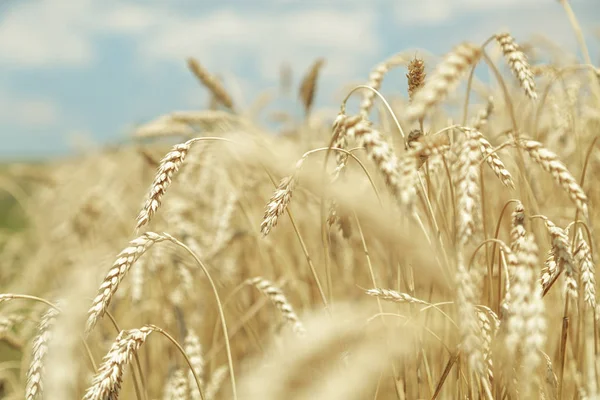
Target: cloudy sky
{"type": "Point", "coordinates": [95, 68]}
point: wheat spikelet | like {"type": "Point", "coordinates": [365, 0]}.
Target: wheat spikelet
{"type": "Point", "coordinates": [442, 80]}
{"type": "Point", "coordinates": [551, 164]}
{"type": "Point", "coordinates": [491, 157]}
{"type": "Point", "coordinates": [517, 230]}
{"type": "Point", "coordinates": [396, 297]}
{"type": "Point", "coordinates": [583, 255]}
{"type": "Point", "coordinates": [211, 83]}
{"type": "Point", "coordinates": [309, 84]}
{"type": "Point", "coordinates": [518, 63]}
{"type": "Point", "coordinates": [169, 165]}
{"type": "Point", "coordinates": [106, 384]}
{"type": "Point", "coordinates": [276, 296]}
{"type": "Point", "coordinates": [416, 76]}
{"type": "Point", "coordinates": [35, 387]}
{"type": "Point", "coordinates": [375, 78]}
{"type": "Point", "coordinates": [137, 247]}
{"type": "Point", "coordinates": [466, 177]}
{"type": "Point", "coordinates": [193, 349]}
{"type": "Point", "coordinates": [216, 381]}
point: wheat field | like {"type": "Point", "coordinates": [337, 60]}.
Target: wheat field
{"type": "Point", "coordinates": [433, 244]}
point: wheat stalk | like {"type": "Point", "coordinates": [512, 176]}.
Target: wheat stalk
{"type": "Point", "coordinates": [442, 80]}
{"type": "Point", "coordinates": [137, 247]}
{"type": "Point", "coordinates": [518, 63]}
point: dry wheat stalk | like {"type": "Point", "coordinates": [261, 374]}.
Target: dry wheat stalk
{"type": "Point", "coordinates": [416, 76]}
{"type": "Point", "coordinates": [466, 178]}
{"type": "Point", "coordinates": [193, 349]}
{"type": "Point", "coordinates": [518, 63]}
{"type": "Point", "coordinates": [551, 164]}
{"type": "Point", "coordinates": [276, 296]}
{"type": "Point", "coordinates": [35, 373]}
{"type": "Point", "coordinates": [442, 80]}
{"type": "Point", "coordinates": [216, 381]}
{"type": "Point", "coordinates": [106, 384]}
{"type": "Point", "coordinates": [137, 247]}
{"type": "Point", "coordinates": [375, 79]}
{"type": "Point", "coordinates": [309, 84]}
{"type": "Point", "coordinates": [169, 165]}
{"type": "Point", "coordinates": [583, 255]}
{"type": "Point", "coordinates": [491, 157]}
{"type": "Point", "coordinates": [211, 83]}
{"type": "Point", "coordinates": [396, 297]}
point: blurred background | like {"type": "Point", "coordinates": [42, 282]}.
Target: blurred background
{"type": "Point", "coordinates": [84, 71]}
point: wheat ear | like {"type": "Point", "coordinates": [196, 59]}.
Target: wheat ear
{"type": "Point", "coordinates": [309, 85]}
{"type": "Point", "coordinates": [415, 76]}
{"type": "Point", "coordinates": [518, 63]}
{"type": "Point", "coordinates": [396, 297]}
{"type": "Point", "coordinates": [583, 255]}
{"type": "Point", "coordinates": [193, 349]}
{"type": "Point", "coordinates": [491, 157]}
{"type": "Point", "coordinates": [466, 176]}
{"type": "Point", "coordinates": [168, 166]}
{"type": "Point", "coordinates": [106, 384]}
{"type": "Point", "coordinates": [276, 296]}
{"type": "Point", "coordinates": [35, 388]}
{"type": "Point", "coordinates": [211, 83]}
{"type": "Point", "coordinates": [137, 247]}
{"type": "Point", "coordinates": [551, 164]}
{"type": "Point", "coordinates": [375, 78]}
{"type": "Point", "coordinates": [442, 80]}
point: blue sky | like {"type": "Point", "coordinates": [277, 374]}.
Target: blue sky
{"type": "Point", "coordinates": [73, 70]}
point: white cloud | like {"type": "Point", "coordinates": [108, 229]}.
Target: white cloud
{"type": "Point", "coordinates": [28, 112]}
{"type": "Point", "coordinates": [46, 33]}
